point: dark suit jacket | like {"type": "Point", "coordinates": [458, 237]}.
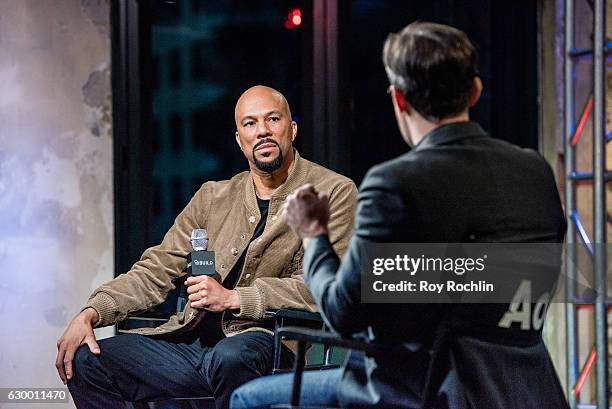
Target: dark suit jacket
{"type": "Point", "coordinates": [457, 186]}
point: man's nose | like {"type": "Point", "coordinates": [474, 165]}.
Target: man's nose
{"type": "Point", "coordinates": [263, 130]}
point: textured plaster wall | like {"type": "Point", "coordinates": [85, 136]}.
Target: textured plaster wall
{"type": "Point", "coordinates": [56, 220]}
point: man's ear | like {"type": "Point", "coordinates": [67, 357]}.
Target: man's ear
{"type": "Point", "coordinates": [476, 91]}
{"type": "Point", "coordinates": [400, 100]}
{"type": "Point", "coordinates": [238, 141]}
{"type": "Point", "coordinates": [294, 129]}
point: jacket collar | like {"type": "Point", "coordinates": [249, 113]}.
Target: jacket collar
{"type": "Point", "coordinates": [297, 177]}
{"type": "Point", "coordinates": [450, 133]}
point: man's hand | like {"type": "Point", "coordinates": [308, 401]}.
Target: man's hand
{"type": "Point", "coordinates": [79, 332]}
{"type": "Point", "coordinates": [307, 212]}
{"type": "Point", "coordinates": [206, 292]}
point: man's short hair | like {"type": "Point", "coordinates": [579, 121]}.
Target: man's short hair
{"type": "Point", "coordinates": [434, 66]}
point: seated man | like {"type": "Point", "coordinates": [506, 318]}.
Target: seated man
{"type": "Point", "coordinates": [457, 185]}
{"type": "Point", "coordinates": [221, 340]}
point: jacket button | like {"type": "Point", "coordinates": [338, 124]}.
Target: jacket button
{"type": "Point", "coordinates": [243, 236]}
{"type": "Point", "coordinates": [248, 275]}
{"type": "Point", "coordinates": [222, 265]}
{"type": "Point", "coordinates": [234, 251]}
{"type": "Point", "coordinates": [252, 219]}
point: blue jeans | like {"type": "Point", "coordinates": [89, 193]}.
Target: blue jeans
{"type": "Point", "coordinates": [318, 391]}
{"type": "Point", "coordinates": [133, 367]}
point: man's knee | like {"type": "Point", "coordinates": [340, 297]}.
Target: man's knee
{"type": "Point", "coordinates": [114, 351]}
{"type": "Point", "coordinates": [240, 397]}
{"type": "Point", "coordinates": [83, 363]}
{"type": "Point", "coordinates": [85, 372]}
{"type": "Point", "coordinates": [227, 357]}
{"type": "Point", "coordinates": [236, 356]}
{"type": "Point", "coordinates": [261, 391]}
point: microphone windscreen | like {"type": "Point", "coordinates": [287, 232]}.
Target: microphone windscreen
{"type": "Point", "coordinates": [199, 239]}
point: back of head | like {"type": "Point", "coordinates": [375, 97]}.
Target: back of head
{"type": "Point", "coordinates": [434, 66]}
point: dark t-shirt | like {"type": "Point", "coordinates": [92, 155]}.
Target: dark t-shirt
{"type": "Point", "coordinates": [232, 277]}
{"type": "Point", "coordinates": [210, 327]}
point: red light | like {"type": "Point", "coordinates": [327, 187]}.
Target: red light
{"type": "Point", "coordinates": [294, 19]}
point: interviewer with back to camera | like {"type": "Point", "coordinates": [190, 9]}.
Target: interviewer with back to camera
{"type": "Point", "coordinates": [456, 185]}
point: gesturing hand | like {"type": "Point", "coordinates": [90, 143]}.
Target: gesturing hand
{"type": "Point", "coordinates": [306, 211]}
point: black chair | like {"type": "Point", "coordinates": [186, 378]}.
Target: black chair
{"type": "Point", "coordinates": [297, 318]}
{"type": "Point", "coordinates": [436, 371]}
{"type": "Point", "coordinates": [305, 336]}
{"type": "Point", "coordinates": [282, 318]}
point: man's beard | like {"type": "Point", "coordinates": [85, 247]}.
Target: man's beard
{"type": "Point", "coordinates": [268, 167]}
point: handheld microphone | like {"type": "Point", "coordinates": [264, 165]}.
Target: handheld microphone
{"type": "Point", "coordinates": [200, 262]}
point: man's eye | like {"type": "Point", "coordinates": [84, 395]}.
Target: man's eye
{"type": "Point", "coordinates": [250, 123]}
{"type": "Point", "coordinates": [274, 118]}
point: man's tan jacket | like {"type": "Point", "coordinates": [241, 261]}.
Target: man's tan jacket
{"type": "Point", "coordinates": [272, 273]}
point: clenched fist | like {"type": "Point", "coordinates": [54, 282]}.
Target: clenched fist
{"type": "Point", "coordinates": [306, 211]}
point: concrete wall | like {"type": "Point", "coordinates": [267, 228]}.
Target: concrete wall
{"type": "Point", "coordinates": [56, 216]}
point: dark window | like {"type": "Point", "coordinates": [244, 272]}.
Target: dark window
{"type": "Point", "coordinates": [205, 66]}
{"type": "Point", "coordinates": [212, 129]}
{"type": "Point", "coordinates": [374, 133]}
{"type": "Point", "coordinates": [176, 188]}
{"type": "Point", "coordinates": [157, 198]}
{"type": "Point", "coordinates": [196, 183]}
{"type": "Point", "coordinates": [176, 132]}
{"type": "Point", "coordinates": [226, 47]}
{"type": "Point", "coordinates": [155, 136]}
{"type": "Point", "coordinates": [174, 62]}
{"type": "Point", "coordinates": [165, 12]}
{"type": "Point", "coordinates": [203, 7]}
{"type": "Point", "coordinates": [155, 78]}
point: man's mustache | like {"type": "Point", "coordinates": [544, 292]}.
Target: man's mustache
{"type": "Point", "coordinates": [264, 141]}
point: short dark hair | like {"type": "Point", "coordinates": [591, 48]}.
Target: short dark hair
{"type": "Point", "coordinates": [434, 66]}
